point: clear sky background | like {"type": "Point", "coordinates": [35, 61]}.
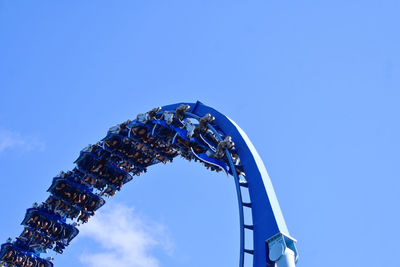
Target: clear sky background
{"type": "Point", "coordinates": [314, 84]}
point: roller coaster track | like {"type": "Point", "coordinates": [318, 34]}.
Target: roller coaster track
{"type": "Point", "coordinates": [191, 130]}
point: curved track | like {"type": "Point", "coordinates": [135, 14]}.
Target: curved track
{"type": "Point", "coordinates": [191, 130]}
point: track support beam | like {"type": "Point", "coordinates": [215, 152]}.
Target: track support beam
{"type": "Point", "coordinates": [282, 250]}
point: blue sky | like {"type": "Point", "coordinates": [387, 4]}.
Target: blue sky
{"type": "Point", "coordinates": [314, 84]}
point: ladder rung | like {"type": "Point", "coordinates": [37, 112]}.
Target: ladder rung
{"type": "Point", "coordinates": [250, 251]}
{"type": "Point", "coordinates": [250, 227]}
{"type": "Point", "coordinates": [244, 184]}
{"type": "Point", "coordinates": [247, 204]}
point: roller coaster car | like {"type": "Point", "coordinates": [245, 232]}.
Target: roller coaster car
{"type": "Point", "coordinates": [119, 143]}
{"type": "Point", "coordinates": [75, 193]}
{"type": "Point", "coordinates": [76, 176]}
{"type": "Point", "coordinates": [140, 132]}
{"type": "Point", "coordinates": [120, 129]}
{"type": "Point", "coordinates": [62, 208]}
{"type": "Point", "coordinates": [13, 255]}
{"type": "Point", "coordinates": [212, 162]}
{"type": "Point", "coordinates": [161, 134]}
{"type": "Point", "coordinates": [35, 240]}
{"type": "Point", "coordinates": [38, 217]}
{"type": "Point", "coordinates": [188, 131]}
{"type": "Point", "coordinates": [112, 140]}
{"type": "Point", "coordinates": [96, 150]}
{"type": "Point", "coordinates": [154, 144]}
{"type": "Point", "coordinates": [91, 163]}
{"type": "Point", "coordinates": [134, 153]}
{"type": "Point", "coordinates": [158, 134]}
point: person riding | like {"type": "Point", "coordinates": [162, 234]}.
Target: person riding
{"type": "Point", "coordinates": [33, 220]}
{"type": "Point", "coordinates": [97, 168]}
{"type": "Point", "coordinates": [89, 179]}
{"type": "Point", "coordinates": [84, 217]}
{"type": "Point", "coordinates": [27, 233]}
{"type": "Point", "coordinates": [54, 231]}
{"type": "Point", "coordinates": [7, 255]}
{"type": "Point", "coordinates": [44, 225]}
{"type": "Point", "coordinates": [29, 263]}
{"type": "Point", "coordinates": [80, 199]}
{"type": "Point", "coordinates": [60, 186]}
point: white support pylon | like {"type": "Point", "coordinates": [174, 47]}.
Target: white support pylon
{"type": "Point", "coordinates": [282, 250]}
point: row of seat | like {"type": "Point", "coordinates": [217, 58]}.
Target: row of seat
{"type": "Point", "coordinates": [12, 255]}
{"type": "Point", "coordinates": [102, 169]}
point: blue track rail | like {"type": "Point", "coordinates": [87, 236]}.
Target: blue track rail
{"type": "Point", "coordinates": [191, 130]}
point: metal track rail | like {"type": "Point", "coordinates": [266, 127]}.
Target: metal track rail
{"type": "Point", "coordinates": [191, 130]}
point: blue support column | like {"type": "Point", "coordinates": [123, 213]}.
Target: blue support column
{"type": "Point", "coordinates": [268, 222]}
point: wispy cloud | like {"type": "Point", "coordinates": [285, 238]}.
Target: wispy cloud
{"type": "Point", "coordinates": [126, 238]}
{"type": "Point", "coordinates": [14, 140]}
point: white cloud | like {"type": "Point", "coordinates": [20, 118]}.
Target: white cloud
{"type": "Point", "coordinates": [127, 239]}
{"type": "Point", "coordinates": [14, 140]}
